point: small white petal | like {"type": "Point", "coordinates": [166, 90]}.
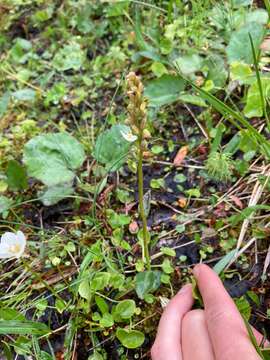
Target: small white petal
{"type": "Point", "coordinates": [8, 238]}
{"type": "Point", "coordinates": [129, 136]}
{"type": "Point", "coordinates": [5, 255]}
{"type": "Point", "coordinates": [21, 237]}
{"type": "Point", "coordinates": [12, 245]}
{"type": "Point", "coordinates": [4, 251]}
{"type": "Point", "coordinates": [4, 247]}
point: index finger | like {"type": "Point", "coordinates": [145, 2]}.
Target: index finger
{"type": "Point", "coordinates": [168, 341]}
{"type": "Point", "coordinates": [226, 327]}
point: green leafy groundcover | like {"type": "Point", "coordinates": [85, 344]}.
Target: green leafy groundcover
{"type": "Point", "coordinates": [69, 164]}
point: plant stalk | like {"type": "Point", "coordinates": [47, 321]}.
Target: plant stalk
{"type": "Point", "coordinates": [146, 255]}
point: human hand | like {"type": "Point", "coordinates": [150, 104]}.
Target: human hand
{"type": "Point", "coordinates": [216, 333]}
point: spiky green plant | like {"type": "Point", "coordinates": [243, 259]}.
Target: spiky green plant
{"type": "Point", "coordinates": [219, 165]}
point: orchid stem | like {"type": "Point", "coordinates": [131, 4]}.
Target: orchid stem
{"type": "Point", "coordinates": [146, 255]}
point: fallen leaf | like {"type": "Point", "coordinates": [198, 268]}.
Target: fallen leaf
{"type": "Point", "coordinates": [104, 195]}
{"type": "Point", "coordinates": [129, 207]}
{"type": "Point", "coordinates": [237, 201]}
{"type": "Point", "coordinates": [220, 211]}
{"type": "Point", "coordinates": [180, 156]}
{"type": "Point", "coordinates": [136, 248]}
{"type": "Point", "coordinates": [147, 154]}
{"type": "Point", "coordinates": [266, 263]}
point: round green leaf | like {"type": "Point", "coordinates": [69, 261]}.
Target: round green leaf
{"type": "Point", "coordinates": [84, 289]}
{"type": "Point", "coordinates": [164, 90]}
{"type": "Point", "coordinates": [239, 48]}
{"type": "Point", "coordinates": [189, 64]}
{"type": "Point", "coordinates": [131, 339]}
{"type": "Point", "coordinates": [147, 282]}
{"type": "Point", "coordinates": [52, 158]}
{"type": "Point", "coordinates": [125, 309]}
{"type": "Point", "coordinates": [100, 281]}
{"type": "Point", "coordinates": [106, 320]}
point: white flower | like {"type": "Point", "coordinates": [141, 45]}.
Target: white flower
{"type": "Point", "coordinates": [12, 245]}
{"type": "Point", "coordinates": [129, 136]}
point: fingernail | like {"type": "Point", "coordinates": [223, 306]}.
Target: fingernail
{"type": "Point", "coordinates": [184, 289]}
{"type": "Point", "coordinates": [196, 271]}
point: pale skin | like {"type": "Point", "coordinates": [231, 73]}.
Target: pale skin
{"type": "Point", "coordinates": [216, 333]}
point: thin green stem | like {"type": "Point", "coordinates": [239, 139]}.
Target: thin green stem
{"type": "Point", "coordinates": [141, 207]}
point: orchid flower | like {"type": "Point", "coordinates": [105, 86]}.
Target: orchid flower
{"type": "Point", "coordinates": [12, 245]}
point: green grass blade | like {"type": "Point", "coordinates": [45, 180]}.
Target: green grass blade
{"type": "Point", "coordinates": [236, 118]}
{"type": "Point", "coordinates": [267, 6]}
{"type": "Point", "coordinates": [217, 140]}
{"type": "Point", "coordinates": [220, 266]}
{"type": "Point", "coordinates": [266, 354]}
{"type": "Point", "coordinates": [252, 338]}
{"type": "Point", "coordinates": [233, 145]}
{"type": "Point", "coordinates": [259, 81]}
{"type": "Point", "coordinates": [16, 327]}
{"type": "Point", "coordinates": [138, 32]}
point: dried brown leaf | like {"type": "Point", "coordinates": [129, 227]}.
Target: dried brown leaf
{"type": "Point", "coordinates": [237, 201]}
{"type": "Point", "coordinates": [180, 156]}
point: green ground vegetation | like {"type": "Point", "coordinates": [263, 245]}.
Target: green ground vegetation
{"type": "Point", "coordinates": [134, 144]}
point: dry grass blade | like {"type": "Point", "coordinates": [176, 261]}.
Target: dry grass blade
{"type": "Point", "coordinates": [266, 263]}
{"type": "Point", "coordinates": [241, 251]}
{"type": "Point", "coordinates": [254, 199]}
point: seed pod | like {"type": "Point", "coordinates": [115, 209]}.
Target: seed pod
{"type": "Point", "coordinates": [146, 134]}
{"type": "Point", "coordinates": [134, 129]}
